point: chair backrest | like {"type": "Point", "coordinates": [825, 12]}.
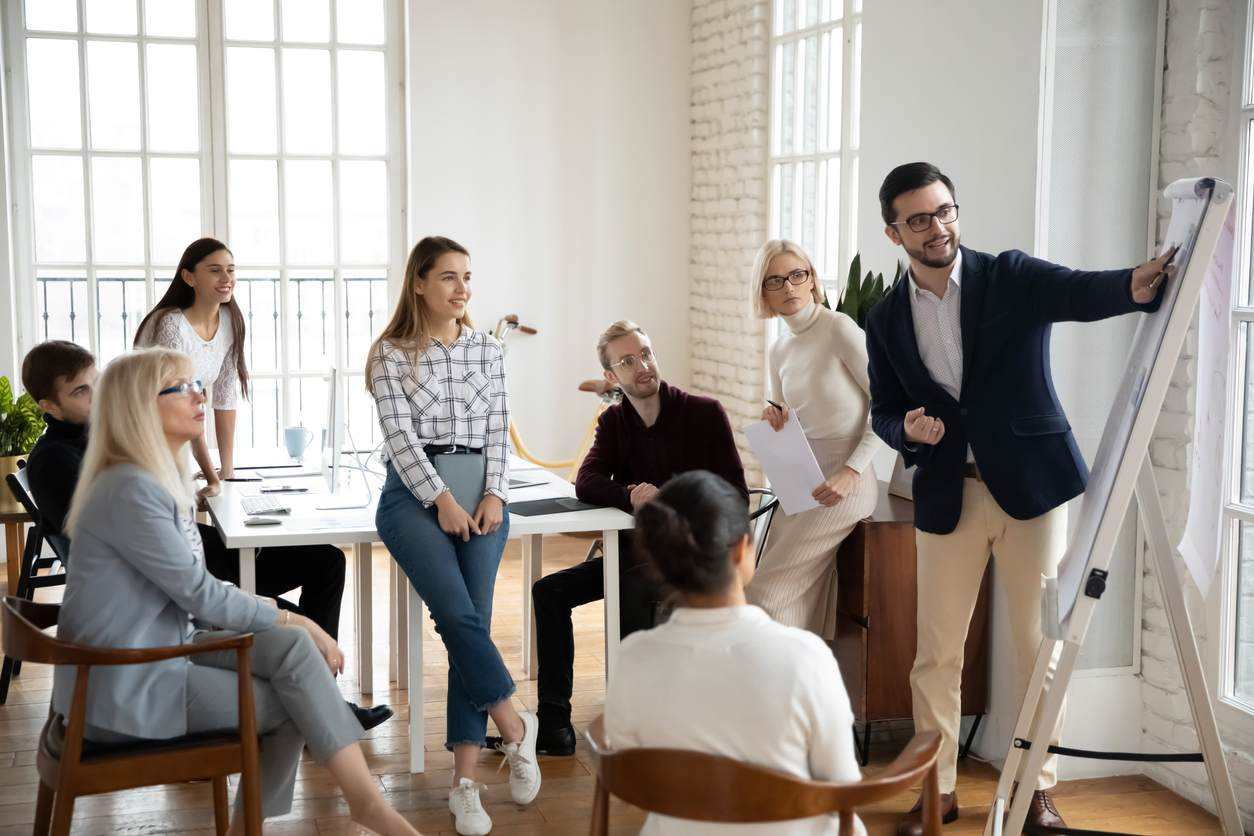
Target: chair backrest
{"type": "Point", "coordinates": [760, 518]}
{"type": "Point", "coordinates": [712, 788]}
{"type": "Point", "coordinates": [19, 484]}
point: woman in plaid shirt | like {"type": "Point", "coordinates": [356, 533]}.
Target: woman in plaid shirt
{"type": "Point", "coordinates": [440, 390]}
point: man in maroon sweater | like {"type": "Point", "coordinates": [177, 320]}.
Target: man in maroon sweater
{"type": "Point", "coordinates": [656, 432]}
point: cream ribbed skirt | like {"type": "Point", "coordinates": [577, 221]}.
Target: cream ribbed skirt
{"type": "Point", "coordinates": [796, 580]}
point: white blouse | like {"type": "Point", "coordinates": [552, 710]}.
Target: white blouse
{"type": "Point", "coordinates": [213, 362]}
{"type": "Point", "coordinates": [730, 681]}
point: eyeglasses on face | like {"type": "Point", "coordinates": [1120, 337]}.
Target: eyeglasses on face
{"type": "Point", "coordinates": [921, 222]}
{"type": "Point", "coordinates": [187, 387]}
{"type": "Point", "coordinates": [796, 277]}
{"type": "Point", "coordinates": [632, 362]}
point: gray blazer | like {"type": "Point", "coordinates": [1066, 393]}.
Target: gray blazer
{"type": "Point", "coordinates": [133, 581]}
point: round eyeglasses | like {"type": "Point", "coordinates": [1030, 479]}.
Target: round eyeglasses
{"type": "Point", "coordinates": [187, 387]}
{"type": "Point", "coordinates": [923, 221]}
{"type": "Point", "coordinates": [796, 277]}
{"type": "Point", "coordinates": [631, 362]}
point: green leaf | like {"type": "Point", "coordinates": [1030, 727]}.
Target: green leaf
{"type": "Point", "coordinates": [6, 395]}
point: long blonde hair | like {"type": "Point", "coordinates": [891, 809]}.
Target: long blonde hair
{"type": "Point", "coordinates": [410, 326]}
{"type": "Point", "coordinates": [772, 248]}
{"type": "Point", "coordinates": [126, 425]}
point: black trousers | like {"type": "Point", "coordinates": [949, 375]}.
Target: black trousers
{"type": "Point", "coordinates": [556, 595]}
{"type": "Point", "coordinates": [317, 570]}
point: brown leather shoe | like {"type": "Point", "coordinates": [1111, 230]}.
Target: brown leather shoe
{"type": "Point", "coordinates": [1043, 817]}
{"type": "Point", "coordinates": [911, 823]}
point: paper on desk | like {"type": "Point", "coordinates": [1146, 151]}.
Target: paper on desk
{"type": "Point", "coordinates": [788, 462]}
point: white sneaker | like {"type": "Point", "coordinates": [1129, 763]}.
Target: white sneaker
{"type": "Point", "coordinates": [524, 772]}
{"type": "Point", "coordinates": [468, 814]}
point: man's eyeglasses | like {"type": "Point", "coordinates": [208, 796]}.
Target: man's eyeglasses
{"type": "Point", "coordinates": [187, 387]}
{"type": "Point", "coordinates": [631, 362]}
{"type": "Point", "coordinates": [795, 277]}
{"type": "Point", "coordinates": [922, 221]}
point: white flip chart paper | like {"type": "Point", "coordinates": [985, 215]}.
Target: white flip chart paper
{"type": "Point", "coordinates": [788, 463]}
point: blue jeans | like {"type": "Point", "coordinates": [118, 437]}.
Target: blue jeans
{"type": "Point", "coordinates": [455, 579]}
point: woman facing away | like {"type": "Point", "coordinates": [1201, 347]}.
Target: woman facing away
{"type": "Point", "coordinates": [818, 376]}
{"type": "Point", "coordinates": [720, 676]}
{"type": "Point", "coordinates": [134, 539]}
{"type": "Point", "coordinates": [439, 386]}
{"type": "Point", "coordinates": [198, 315]}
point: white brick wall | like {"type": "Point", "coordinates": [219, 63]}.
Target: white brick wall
{"type": "Point", "coordinates": [1203, 38]}
{"type": "Point", "coordinates": [730, 93]}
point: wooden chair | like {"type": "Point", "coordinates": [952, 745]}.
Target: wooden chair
{"type": "Point", "coordinates": [33, 562]}
{"type": "Point", "coordinates": [711, 788]}
{"type": "Point", "coordinates": [81, 767]}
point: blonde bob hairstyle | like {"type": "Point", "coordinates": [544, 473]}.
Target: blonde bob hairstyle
{"type": "Point", "coordinates": [126, 425]}
{"type": "Point", "coordinates": [757, 293]}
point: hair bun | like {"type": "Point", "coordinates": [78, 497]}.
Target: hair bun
{"type": "Point", "coordinates": [665, 528]}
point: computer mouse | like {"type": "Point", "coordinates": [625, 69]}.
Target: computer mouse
{"type": "Point", "coordinates": [262, 521]}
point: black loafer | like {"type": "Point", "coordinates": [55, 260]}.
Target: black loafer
{"type": "Point", "coordinates": [375, 715]}
{"type": "Point", "coordinates": [556, 742]}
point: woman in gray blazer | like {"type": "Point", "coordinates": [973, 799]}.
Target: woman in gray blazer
{"type": "Point", "coordinates": [138, 579]}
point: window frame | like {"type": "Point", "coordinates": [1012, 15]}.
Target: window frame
{"type": "Point", "coordinates": [848, 155]}
{"type": "Point", "coordinates": [213, 156]}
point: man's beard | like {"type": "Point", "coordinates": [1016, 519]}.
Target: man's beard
{"type": "Point", "coordinates": [642, 391]}
{"type": "Point", "coordinates": [922, 257]}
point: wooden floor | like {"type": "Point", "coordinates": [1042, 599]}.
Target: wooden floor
{"type": "Point", "coordinates": [1131, 804]}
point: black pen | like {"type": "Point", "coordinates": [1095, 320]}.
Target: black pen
{"type": "Point", "coordinates": [772, 403]}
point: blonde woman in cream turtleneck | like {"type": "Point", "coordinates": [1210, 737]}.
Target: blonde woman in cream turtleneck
{"type": "Point", "coordinates": [818, 376]}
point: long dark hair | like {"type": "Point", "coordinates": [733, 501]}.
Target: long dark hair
{"type": "Point", "coordinates": [181, 296]}
{"type": "Point", "coordinates": [688, 530]}
{"type": "Point", "coordinates": [410, 327]}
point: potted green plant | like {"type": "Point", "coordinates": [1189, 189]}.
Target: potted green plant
{"type": "Point", "coordinates": [21, 424]}
{"type": "Point", "coordinates": [863, 292]}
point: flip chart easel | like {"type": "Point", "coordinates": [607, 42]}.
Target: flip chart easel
{"type": "Point", "coordinates": [1120, 469]}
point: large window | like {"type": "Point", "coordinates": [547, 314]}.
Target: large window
{"type": "Point", "coordinates": [1238, 515]}
{"type": "Point", "coordinates": [815, 54]}
{"type": "Point", "coordinates": [140, 125]}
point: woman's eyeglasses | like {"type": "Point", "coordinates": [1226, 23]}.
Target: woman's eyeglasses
{"type": "Point", "coordinates": [187, 387]}
{"type": "Point", "coordinates": [631, 362]}
{"type": "Point", "coordinates": [795, 277]}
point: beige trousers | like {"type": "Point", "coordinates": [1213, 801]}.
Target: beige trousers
{"type": "Point", "coordinates": [950, 568]}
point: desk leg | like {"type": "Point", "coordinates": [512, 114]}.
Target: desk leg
{"type": "Point", "coordinates": [15, 547]}
{"type": "Point", "coordinates": [248, 570]}
{"type": "Point", "coordinates": [365, 618]}
{"type": "Point", "coordinates": [394, 628]}
{"type": "Point", "coordinates": [413, 628]}
{"type": "Point", "coordinates": [609, 543]}
{"type": "Point", "coordinates": [532, 571]}
{"type": "Point", "coordinates": [400, 585]}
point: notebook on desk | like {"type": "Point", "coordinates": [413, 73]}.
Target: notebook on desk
{"type": "Point", "coordinates": [555, 505]}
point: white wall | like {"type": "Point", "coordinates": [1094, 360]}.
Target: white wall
{"type": "Point", "coordinates": [551, 139]}
{"type": "Point", "coordinates": [956, 84]}
{"type": "Point", "coordinates": [1096, 206]}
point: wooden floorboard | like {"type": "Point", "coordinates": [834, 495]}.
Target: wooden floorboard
{"type": "Point", "coordinates": [1131, 804]}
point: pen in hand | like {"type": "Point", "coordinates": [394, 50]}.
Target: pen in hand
{"type": "Point", "coordinates": [777, 418]}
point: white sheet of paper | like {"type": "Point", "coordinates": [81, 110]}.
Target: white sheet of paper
{"type": "Point", "coordinates": [788, 463]}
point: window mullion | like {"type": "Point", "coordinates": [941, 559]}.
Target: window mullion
{"type": "Point", "coordinates": [213, 157]}
{"type": "Point", "coordinates": [88, 203]}
{"type": "Point", "coordinates": [339, 333]}
{"type": "Point", "coordinates": [280, 122]}
{"type": "Point", "coordinates": [844, 232]}
{"type": "Point", "coordinates": [145, 165]}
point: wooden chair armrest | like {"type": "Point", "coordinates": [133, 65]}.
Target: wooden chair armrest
{"type": "Point", "coordinates": [96, 656]}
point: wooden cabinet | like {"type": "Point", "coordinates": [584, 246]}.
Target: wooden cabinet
{"type": "Point", "coordinates": [875, 622]}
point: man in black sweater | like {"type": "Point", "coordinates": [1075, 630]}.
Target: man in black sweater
{"type": "Point", "coordinates": [61, 377]}
{"type": "Point", "coordinates": [656, 432]}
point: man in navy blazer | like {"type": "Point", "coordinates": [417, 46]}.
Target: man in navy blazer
{"type": "Point", "coordinates": [961, 386]}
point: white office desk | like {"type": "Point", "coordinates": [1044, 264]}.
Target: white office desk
{"type": "Point", "coordinates": [306, 525]}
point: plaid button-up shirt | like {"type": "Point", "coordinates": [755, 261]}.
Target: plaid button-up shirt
{"type": "Point", "coordinates": [453, 395]}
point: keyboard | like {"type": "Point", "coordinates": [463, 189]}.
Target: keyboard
{"type": "Point", "coordinates": [263, 505]}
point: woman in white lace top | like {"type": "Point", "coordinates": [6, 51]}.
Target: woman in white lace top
{"type": "Point", "coordinates": [199, 316]}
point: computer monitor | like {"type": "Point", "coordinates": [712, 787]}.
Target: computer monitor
{"type": "Point", "coordinates": [333, 435]}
